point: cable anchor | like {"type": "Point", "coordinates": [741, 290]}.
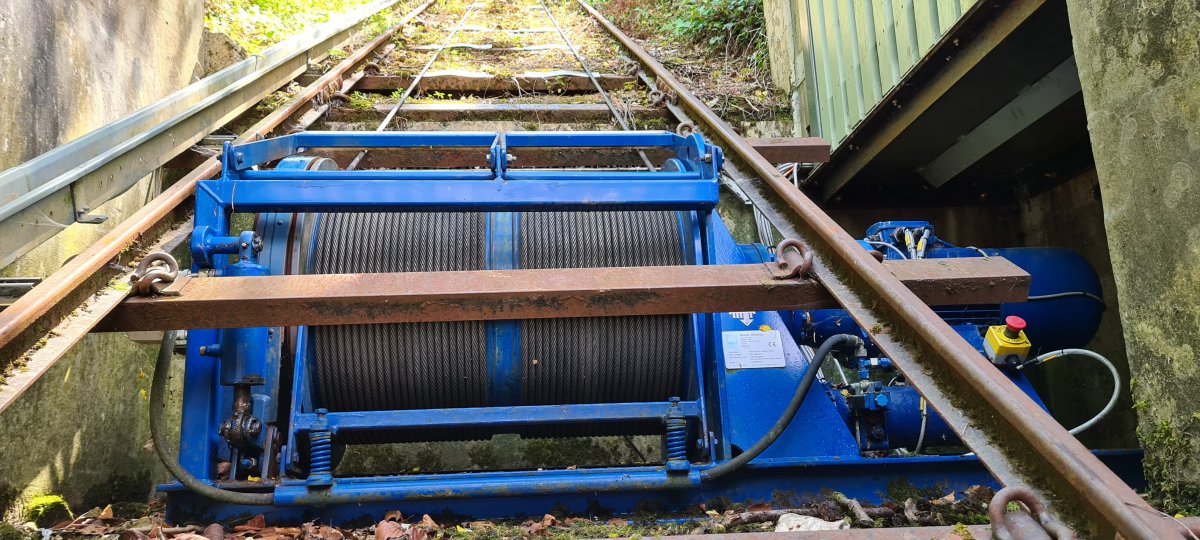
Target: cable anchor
{"type": "Point", "coordinates": [154, 273]}
{"type": "Point", "coordinates": [794, 260]}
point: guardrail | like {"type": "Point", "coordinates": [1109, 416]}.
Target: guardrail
{"type": "Point", "coordinates": [42, 196]}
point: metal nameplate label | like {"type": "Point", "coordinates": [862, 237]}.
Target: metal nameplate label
{"type": "Point", "coordinates": [753, 349]}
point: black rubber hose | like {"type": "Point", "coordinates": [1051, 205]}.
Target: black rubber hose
{"type": "Point", "coordinates": [806, 383]}
{"type": "Point", "coordinates": [158, 389]}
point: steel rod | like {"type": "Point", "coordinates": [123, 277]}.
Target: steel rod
{"type": "Point", "coordinates": [1015, 439]}
{"type": "Point", "coordinates": [318, 299]}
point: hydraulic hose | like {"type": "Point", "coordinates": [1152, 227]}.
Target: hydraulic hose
{"type": "Point", "coordinates": [1116, 378]}
{"type": "Point", "coordinates": [806, 382]}
{"type": "Point", "coordinates": [158, 389]}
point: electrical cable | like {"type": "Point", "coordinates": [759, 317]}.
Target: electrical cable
{"type": "Point", "coordinates": [1068, 294]}
{"type": "Point", "coordinates": [924, 420]}
{"type": "Point", "coordinates": [806, 382]}
{"type": "Point", "coordinates": [1116, 378]}
{"type": "Point", "coordinates": [158, 389]}
{"type": "Point", "coordinates": [889, 246]}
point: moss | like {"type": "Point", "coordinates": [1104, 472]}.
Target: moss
{"type": "Point", "coordinates": [361, 102]}
{"type": "Point", "coordinates": [962, 531]}
{"type": "Point", "coordinates": [47, 510]}
{"type": "Point", "coordinates": [9, 532]}
{"type": "Point", "coordinates": [1171, 447]}
{"type": "Point", "coordinates": [901, 489]}
{"type": "Point", "coordinates": [484, 456]}
{"type": "Point", "coordinates": [559, 453]}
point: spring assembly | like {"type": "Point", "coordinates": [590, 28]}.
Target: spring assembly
{"type": "Point", "coordinates": [320, 471]}
{"type": "Point", "coordinates": [676, 437]}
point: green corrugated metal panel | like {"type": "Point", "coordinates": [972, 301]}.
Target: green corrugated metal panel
{"type": "Point", "coordinates": [862, 48]}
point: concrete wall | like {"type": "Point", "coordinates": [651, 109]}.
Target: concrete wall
{"type": "Point", "coordinates": [1138, 65]}
{"type": "Point", "coordinates": [67, 67]}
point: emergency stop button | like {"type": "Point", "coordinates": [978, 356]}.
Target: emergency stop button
{"type": "Point", "coordinates": [1013, 326]}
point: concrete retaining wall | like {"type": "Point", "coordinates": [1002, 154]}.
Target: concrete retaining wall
{"type": "Point", "coordinates": [1138, 67]}
{"type": "Point", "coordinates": [67, 67]}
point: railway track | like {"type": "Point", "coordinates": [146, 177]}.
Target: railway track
{"type": "Point", "coordinates": [560, 66]}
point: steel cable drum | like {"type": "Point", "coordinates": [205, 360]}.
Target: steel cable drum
{"type": "Point", "coordinates": [446, 365]}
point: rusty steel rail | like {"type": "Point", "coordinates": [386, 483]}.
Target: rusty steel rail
{"type": "Point", "coordinates": [1017, 441]}
{"type": "Point", "coordinates": [62, 186]}
{"type": "Point", "coordinates": [295, 300]}
{"type": "Point", "coordinates": [32, 315]}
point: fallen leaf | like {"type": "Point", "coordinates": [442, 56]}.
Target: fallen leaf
{"type": "Point", "coordinates": [393, 515]}
{"type": "Point", "coordinates": [60, 525]}
{"type": "Point", "coordinates": [618, 522]}
{"type": "Point", "coordinates": [131, 534]}
{"type": "Point", "coordinates": [760, 507]}
{"type": "Point", "coordinates": [713, 513]}
{"type": "Point", "coordinates": [796, 522]}
{"type": "Point", "coordinates": [214, 532]}
{"type": "Point", "coordinates": [536, 529]}
{"type": "Point", "coordinates": [107, 513]}
{"type": "Point", "coordinates": [223, 470]}
{"type": "Point", "coordinates": [312, 531]}
{"type": "Point", "coordinates": [387, 529]}
{"type": "Point", "coordinates": [573, 521]}
{"type": "Point", "coordinates": [910, 511]}
{"type": "Point", "coordinates": [541, 528]}
{"type": "Point", "coordinates": [253, 524]}
{"type": "Point", "coordinates": [428, 523]}
{"type": "Point", "coordinates": [188, 536]}
{"type": "Point", "coordinates": [481, 525]}
{"type": "Point", "coordinates": [948, 499]}
{"type": "Point", "coordinates": [981, 495]}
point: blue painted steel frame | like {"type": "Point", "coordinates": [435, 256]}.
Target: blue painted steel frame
{"type": "Point", "coordinates": [687, 182]}
{"type": "Point", "coordinates": [734, 407]}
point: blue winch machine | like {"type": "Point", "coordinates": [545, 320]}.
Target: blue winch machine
{"type": "Point", "coordinates": [272, 409]}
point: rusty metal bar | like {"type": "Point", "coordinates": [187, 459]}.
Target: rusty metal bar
{"type": "Point", "coordinates": [454, 111]}
{"type": "Point", "coordinates": [1017, 441]}
{"type": "Point", "coordinates": [792, 149]}
{"type": "Point", "coordinates": [23, 323]}
{"type": "Point", "coordinates": [534, 294]}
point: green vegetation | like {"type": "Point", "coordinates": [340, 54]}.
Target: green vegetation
{"type": "Point", "coordinates": [9, 532]}
{"type": "Point", "coordinates": [258, 24]}
{"type": "Point", "coordinates": [47, 510]}
{"type": "Point", "coordinates": [736, 27]}
{"type": "Point", "coordinates": [1170, 447]}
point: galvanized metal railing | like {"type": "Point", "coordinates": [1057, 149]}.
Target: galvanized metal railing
{"type": "Point", "coordinates": [74, 178]}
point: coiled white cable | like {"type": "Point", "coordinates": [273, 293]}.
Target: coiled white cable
{"type": "Point", "coordinates": [1116, 378]}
